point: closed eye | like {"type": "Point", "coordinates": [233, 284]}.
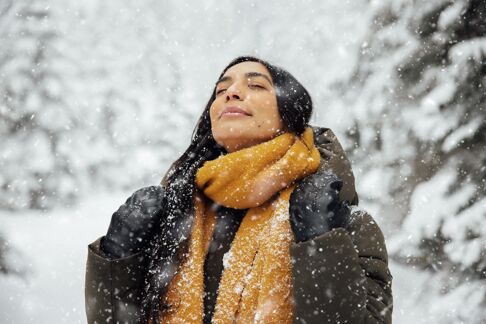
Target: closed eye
{"type": "Point", "coordinates": [256, 86]}
{"type": "Point", "coordinates": [250, 85]}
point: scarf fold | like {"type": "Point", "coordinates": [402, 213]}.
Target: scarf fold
{"type": "Point", "coordinates": [256, 283]}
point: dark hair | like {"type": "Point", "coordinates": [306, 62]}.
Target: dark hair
{"type": "Point", "coordinates": [170, 245]}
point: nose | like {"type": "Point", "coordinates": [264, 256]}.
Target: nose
{"type": "Point", "coordinates": [233, 92]}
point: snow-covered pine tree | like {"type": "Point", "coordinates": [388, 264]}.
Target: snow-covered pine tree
{"type": "Point", "coordinates": [418, 97]}
{"type": "Point", "coordinates": [135, 86]}
{"type": "Point", "coordinates": [34, 112]}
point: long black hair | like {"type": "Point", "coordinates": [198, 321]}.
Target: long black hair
{"type": "Point", "coordinates": [170, 246]}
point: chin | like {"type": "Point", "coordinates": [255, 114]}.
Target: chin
{"type": "Point", "coordinates": [235, 135]}
{"type": "Point", "coordinates": [233, 130]}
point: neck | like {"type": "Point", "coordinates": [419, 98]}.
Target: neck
{"type": "Point", "coordinates": [233, 145]}
{"type": "Point", "coordinates": [236, 144]}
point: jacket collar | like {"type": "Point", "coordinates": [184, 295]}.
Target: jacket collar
{"type": "Point", "coordinates": [334, 158]}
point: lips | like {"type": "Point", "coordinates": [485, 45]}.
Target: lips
{"type": "Point", "coordinates": [234, 111]}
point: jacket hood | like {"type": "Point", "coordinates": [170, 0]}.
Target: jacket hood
{"type": "Point", "coordinates": [334, 159]}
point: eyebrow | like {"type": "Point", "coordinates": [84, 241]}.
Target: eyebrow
{"type": "Point", "coordinates": [248, 75]}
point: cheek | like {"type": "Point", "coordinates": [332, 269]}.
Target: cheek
{"type": "Point", "coordinates": [271, 116]}
{"type": "Point", "coordinates": [218, 127]}
{"type": "Point", "coordinates": [212, 112]}
{"type": "Point", "coordinates": [213, 115]}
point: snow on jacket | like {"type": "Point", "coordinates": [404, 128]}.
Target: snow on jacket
{"type": "Point", "coordinates": [341, 276]}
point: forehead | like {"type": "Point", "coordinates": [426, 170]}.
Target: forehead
{"type": "Point", "coordinates": [241, 68]}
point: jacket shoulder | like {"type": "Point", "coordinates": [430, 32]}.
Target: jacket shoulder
{"type": "Point", "coordinates": [113, 287]}
{"type": "Point", "coordinates": [343, 275]}
{"type": "Point", "coordinates": [366, 234]}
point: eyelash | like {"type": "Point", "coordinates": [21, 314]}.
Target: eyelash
{"type": "Point", "coordinates": [250, 85]}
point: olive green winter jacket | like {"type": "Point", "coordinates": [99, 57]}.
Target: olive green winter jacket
{"type": "Point", "coordinates": [341, 276]}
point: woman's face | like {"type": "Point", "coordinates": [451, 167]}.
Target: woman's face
{"type": "Point", "coordinates": [245, 111]}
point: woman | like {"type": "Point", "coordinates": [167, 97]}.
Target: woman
{"type": "Point", "coordinates": [253, 223]}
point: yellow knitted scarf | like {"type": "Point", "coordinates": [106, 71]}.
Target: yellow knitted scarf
{"type": "Point", "coordinates": [256, 283]}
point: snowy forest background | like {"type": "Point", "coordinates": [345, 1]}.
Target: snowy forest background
{"type": "Point", "coordinates": [97, 98]}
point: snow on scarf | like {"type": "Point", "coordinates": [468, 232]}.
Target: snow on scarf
{"type": "Point", "coordinates": [256, 283]}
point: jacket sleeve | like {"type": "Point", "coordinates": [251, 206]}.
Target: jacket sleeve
{"type": "Point", "coordinates": [342, 276]}
{"type": "Point", "coordinates": [113, 287]}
